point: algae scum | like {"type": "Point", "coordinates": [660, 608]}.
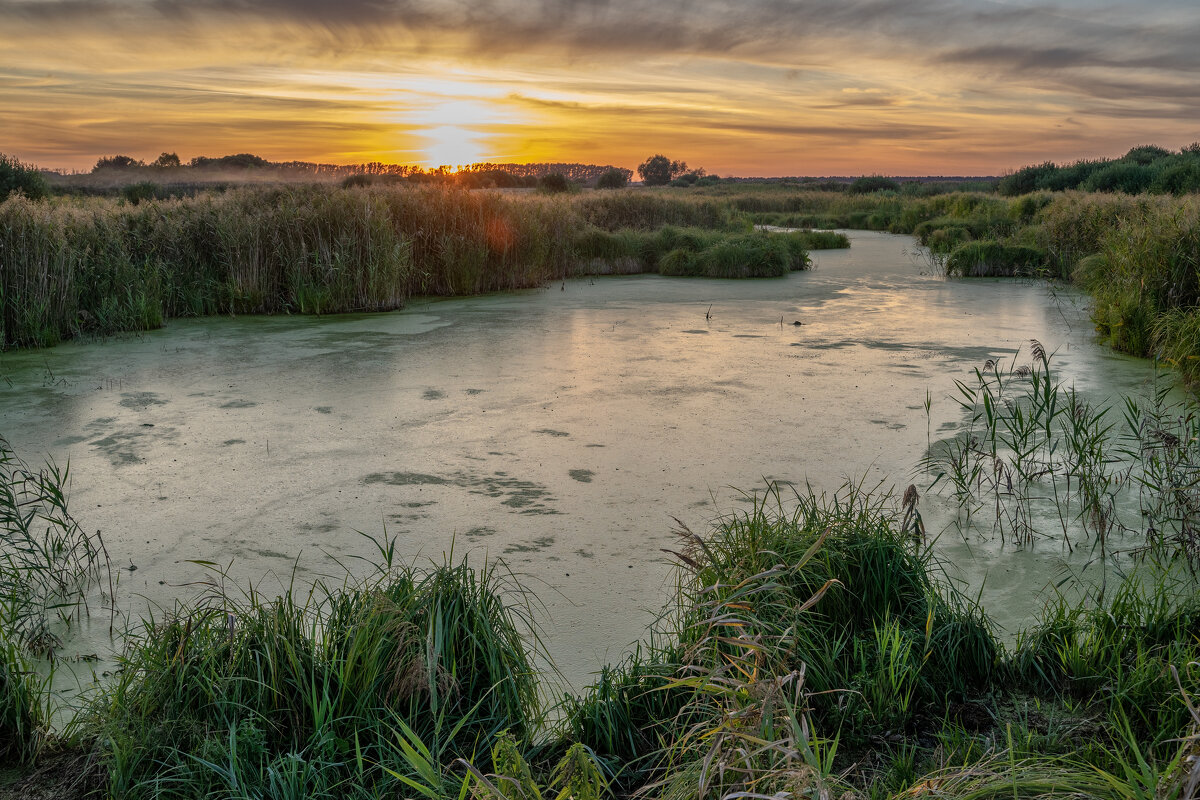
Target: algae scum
{"type": "Point", "coordinates": [561, 430]}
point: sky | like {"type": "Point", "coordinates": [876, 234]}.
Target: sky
{"type": "Point", "coordinates": [740, 87]}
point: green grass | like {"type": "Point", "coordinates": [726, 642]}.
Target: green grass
{"type": "Point", "coordinates": [817, 648]}
{"type": "Point", "coordinates": [361, 690]}
{"type": "Point", "coordinates": [23, 718]}
{"type": "Point", "coordinates": [994, 259]}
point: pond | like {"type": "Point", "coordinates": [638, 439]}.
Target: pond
{"type": "Point", "coordinates": [563, 430]}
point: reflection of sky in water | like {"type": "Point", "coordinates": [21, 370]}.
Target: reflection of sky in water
{"type": "Point", "coordinates": [560, 429]}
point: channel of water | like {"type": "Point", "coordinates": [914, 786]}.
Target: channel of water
{"type": "Point", "coordinates": [562, 430]}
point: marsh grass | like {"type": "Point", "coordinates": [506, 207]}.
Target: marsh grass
{"type": "Point", "coordinates": [1032, 449]}
{"type": "Point", "coordinates": [990, 258]}
{"type": "Point", "coordinates": [49, 565]}
{"type": "Point", "coordinates": [366, 689]}
{"type": "Point", "coordinates": [24, 719]}
{"type": "Point", "coordinates": [93, 266]}
{"type": "Point", "coordinates": [817, 650]}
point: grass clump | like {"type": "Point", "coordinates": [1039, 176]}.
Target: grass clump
{"type": "Point", "coordinates": [364, 690]}
{"type": "Point", "coordinates": [23, 717]}
{"type": "Point", "coordinates": [994, 259]}
{"type": "Point", "coordinates": [817, 650]}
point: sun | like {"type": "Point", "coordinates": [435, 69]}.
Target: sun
{"type": "Point", "coordinates": [457, 131]}
{"type": "Point", "coordinates": [452, 146]}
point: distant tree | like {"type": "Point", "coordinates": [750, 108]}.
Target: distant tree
{"type": "Point", "coordinates": [658, 170]}
{"type": "Point", "coordinates": [554, 183]}
{"type": "Point", "coordinates": [23, 178]}
{"type": "Point", "coordinates": [614, 178]}
{"type": "Point", "coordinates": [166, 160]}
{"type": "Point", "coordinates": [117, 162]}
{"type": "Point", "coordinates": [239, 161]}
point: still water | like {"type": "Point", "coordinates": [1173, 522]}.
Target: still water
{"type": "Point", "coordinates": [560, 430]}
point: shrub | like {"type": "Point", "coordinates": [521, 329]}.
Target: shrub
{"type": "Point", "coordinates": [613, 179]}
{"type": "Point", "coordinates": [554, 183]}
{"type": "Point", "coordinates": [23, 178]}
{"type": "Point", "coordinates": [873, 184]}
{"type": "Point", "coordinates": [1025, 180]}
{"type": "Point", "coordinates": [1130, 178]}
{"type": "Point", "coordinates": [117, 163]}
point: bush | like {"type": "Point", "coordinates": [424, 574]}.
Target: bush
{"type": "Point", "coordinates": [554, 183]}
{"type": "Point", "coordinates": [23, 178]}
{"type": "Point", "coordinates": [1120, 177]}
{"type": "Point", "coordinates": [613, 179]}
{"type": "Point", "coordinates": [117, 163]}
{"type": "Point", "coordinates": [1025, 180]}
{"type": "Point", "coordinates": [873, 184]}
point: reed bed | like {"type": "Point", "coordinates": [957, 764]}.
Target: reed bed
{"type": "Point", "coordinates": [99, 266]}
{"type": "Point", "coordinates": [1031, 448]}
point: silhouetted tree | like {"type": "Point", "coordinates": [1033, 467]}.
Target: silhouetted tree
{"type": "Point", "coordinates": [117, 162]}
{"type": "Point", "coordinates": [167, 160]}
{"type": "Point", "coordinates": [873, 183]}
{"type": "Point", "coordinates": [614, 178]}
{"type": "Point", "coordinates": [658, 170]}
{"type": "Point", "coordinates": [555, 182]}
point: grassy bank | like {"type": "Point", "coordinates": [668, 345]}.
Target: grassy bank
{"type": "Point", "coordinates": [98, 266]}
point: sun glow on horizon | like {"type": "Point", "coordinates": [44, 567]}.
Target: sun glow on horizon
{"type": "Point", "coordinates": [455, 131]}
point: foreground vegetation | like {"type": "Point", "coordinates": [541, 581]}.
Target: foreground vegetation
{"type": "Point", "coordinates": [815, 648]}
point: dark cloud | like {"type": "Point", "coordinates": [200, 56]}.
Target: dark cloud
{"type": "Point", "coordinates": [973, 33]}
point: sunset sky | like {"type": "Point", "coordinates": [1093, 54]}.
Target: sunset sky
{"type": "Point", "coordinates": [741, 87]}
